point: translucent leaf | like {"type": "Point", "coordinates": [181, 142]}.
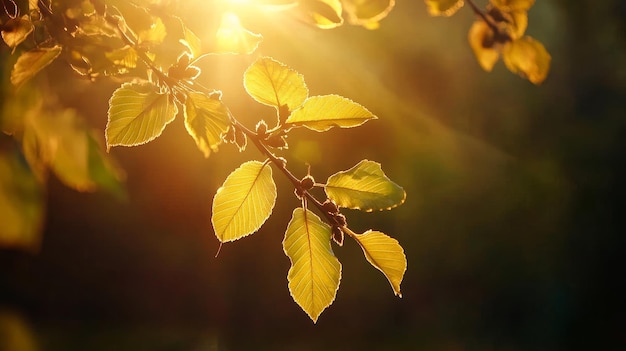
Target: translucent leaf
{"type": "Point", "coordinates": [232, 37]}
{"type": "Point", "coordinates": [124, 57]}
{"type": "Point", "coordinates": [443, 7]}
{"type": "Point", "coordinates": [104, 172]}
{"type": "Point", "coordinates": [528, 58]}
{"type": "Point", "coordinates": [16, 30]}
{"type": "Point", "coordinates": [206, 120]}
{"type": "Point", "coordinates": [138, 113]}
{"type": "Point", "coordinates": [21, 204]}
{"type": "Point", "coordinates": [154, 34]}
{"type": "Point", "coordinates": [367, 13]}
{"type": "Point", "coordinates": [192, 42]}
{"type": "Point", "coordinates": [315, 272]}
{"type": "Point", "coordinates": [244, 202]}
{"type": "Point", "coordinates": [324, 14]}
{"type": "Point", "coordinates": [320, 113]}
{"type": "Point", "coordinates": [513, 5]}
{"type": "Point", "coordinates": [386, 254]}
{"type": "Point", "coordinates": [364, 187]}
{"type": "Point", "coordinates": [31, 62]}
{"type": "Point", "coordinates": [273, 83]}
{"type": "Point", "coordinates": [481, 39]}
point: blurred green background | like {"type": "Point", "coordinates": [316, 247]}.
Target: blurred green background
{"type": "Point", "coordinates": [513, 225]}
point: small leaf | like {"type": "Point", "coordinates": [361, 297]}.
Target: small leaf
{"type": "Point", "coordinates": [31, 62]}
{"type": "Point", "coordinates": [443, 7]}
{"type": "Point", "coordinates": [156, 33]}
{"type": "Point", "coordinates": [138, 113]}
{"type": "Point", "coordinates": [367, 13]}
{"type": "Point", "coordinates": [528, 58]}
{"type": "Point", "coordinates": [274, 84]}
{"type": "Point", "coordinates": [364, 187]}
{"type": "Point", "coordinates": [206, 120]}
{"type": "Point", "coordinates": [244, 202]}
{"type": "Point", "coordinates": [315, 272]}
{"type": "Point", "coordinates": [192, 42]}
{"type": "Point", "coordinates": [386, 254]}
{"type": "Point", "coordinates": [320, 113]}
{"type": "Point", "coordinates": [325, 14]}
{"type": "Point", "coordinates": [482, 41]}
{"type": "Point", "coordinates": [513, 5]}
{"type": "Point", "coordinates": [233, 38]}
{"type": "Point", "coordinates": [16, 30]}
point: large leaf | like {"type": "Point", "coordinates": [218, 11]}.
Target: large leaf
{"type": "Point", "coordinates": [482, 41]}
{"type": "Point", "coordinates": [320, 113]}
{"type": "Point", "coordinates": [443, 7]}
{"type": "Point", "coordinates": [206, 120]}
{"type": "Point", "coordinates": [528, 58]}
{"type": "Point", "coordinates": [273, 83]}
{"type": "Point", "coordinates": [138, 113]}
{"type": "Point", "coordinates": [364, 187]}
{"type": "Point", "coordinates": [315, 271]}
{"type": "Point", "coordinates": [386, 254]}
{"type": "Point", "coordinates": [31, 62]}
{"type": "Point", "coordinates": [16, 30]}
{"type": "Point", "coordinates": [244, 202]}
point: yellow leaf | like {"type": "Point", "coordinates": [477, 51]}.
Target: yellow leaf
{"type": "Point", "coordinates": [367, 13]}
{"type": "Point", "coordinates": [16, 30]}
{"type": "Point", "coordinates": [384, 253]}
{"type": "Point", "coordinates": [275, 84]}
{"type": "Point", "coordinates": [154, 34]}
{"type": "Point", "coordinates": [364, 187]}
{"type": "Point", "coordinates": [325, 14]}
{"type": "Point", "coordinates": [528, 58]}
{"type": "Point", "coordinates": [482, 42]}
{"type": "Point", "coordinates": [206, 120]}
{"type": "Point", "coordinates": [315, 272]}
{"type": "Point", "coordinates": [232, 37]}
{"type": "Point", "coordinates": [138, 113]}
{"type": "Point", "coordinates": [513, 5]}
{"type": "Point", "coordinates": [244, 202]}
{"type": "Point", "coordinates": [321, 113]}
{"type": "Point", "coordinates": [443, 7]}
{"type": "Point", "coordinates": [31, 62]}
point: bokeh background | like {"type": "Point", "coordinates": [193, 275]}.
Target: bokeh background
{"type": "Point", "coordinates": [513, 226]}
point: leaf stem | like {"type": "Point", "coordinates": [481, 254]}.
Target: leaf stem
{"type": "Point", "coordinates": [483, 15]}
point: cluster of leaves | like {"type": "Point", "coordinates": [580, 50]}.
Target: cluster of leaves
{"type": "Point", "coordinates": [157, 54]}
{"type": "Point", "coordinates": [499, 31]}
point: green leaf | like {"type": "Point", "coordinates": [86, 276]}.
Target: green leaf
{"type": "Point", "coordinates": [443, 7]}
{"type": "Point", "coordinates": [320, 113]}
{"type": "Point", "coordinates": [325, 14]}
{"type": "Point", "coordinates": [16, 30]}
{"type": "Point", "coordinates": [482, 42]}
{"type": "Point", "coordinates": [315, 271]}
{"type": "Point", "coordinates": [31, 62]}
{"type": "Point", "coordinates": [206, 120]}
{"type": "Point", "coordinates": [244, 202]}
{"type": "Point", "coordinates": [386, 254]}
{"type": "Point", "coordinates": [273, 83]}
{"type": "Point", "coordinates": [138, 113]}
{"type": "Point", "coordinates": [233, 38]}
{"type": "Point", "coordinates": [528, 58]}
{"type": "Point", "coordinates": [364, 187]}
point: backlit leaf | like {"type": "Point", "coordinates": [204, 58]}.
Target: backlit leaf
{"type": "Point", "coordinates": [481, 39]}
{"type": "Point", "coordinates": [364, 187]}
{"type": "Point", "coordinates": [367, 13]}
{"type": "Point", "coordinates": [244, 202]}
{"type": "Point", "coordinates": [233, 38]}
{"type": "Point", "coordinates": [513, 5]}
{"type": "Point", "coordinates": [443, 7]}
{"type": "Point", "coordinates": [138, 113]}
{"type": "Point", "coordinates": [273, 83]}
{"type": "Point", "coordinates": [31, 62]}
{"type": "Point", "coordinates": [192, 42]}
{"type": "Point", "coordinates": [315, 272]}
{"type": "Point", "coordinates": [528, 58]}
{"type": "Point", "coordinates": [154, 34]}
{"type": "Point", "coordinates": [386, 254]}
{"type": "Point", "coordinates": [16, 30]}
{"type": "Point", "coordinates": [320, 113]}
{"type": "Point", "coordinates": [206, 120]}
{"type": "Point", "coordinates": [324, 14]}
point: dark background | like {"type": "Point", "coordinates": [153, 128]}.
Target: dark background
{"type": "Point", "coordinates": [513, 225]}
